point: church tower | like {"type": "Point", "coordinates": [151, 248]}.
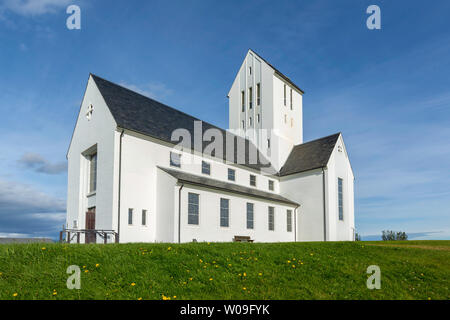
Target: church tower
{"type": "Point", "coordinates": [266, 107]}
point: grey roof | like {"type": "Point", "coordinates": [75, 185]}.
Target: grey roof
{"type": "Point", "coordinates": [139, 113]}
{"type": "Point", "coordinates": [310, 155]}
{"type": "Point", "coordinates": [226, 186]}
{"type": "Point", "coordinates": [279, 73]}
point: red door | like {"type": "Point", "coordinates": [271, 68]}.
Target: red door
{"type": "Point", "coordinates": [90, 225]}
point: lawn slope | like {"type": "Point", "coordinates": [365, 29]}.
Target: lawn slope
{"type": "Point", "coordinates": [409, 270]}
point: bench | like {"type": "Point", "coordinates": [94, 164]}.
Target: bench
{"type": "Point", "coordinates": [242, 239]}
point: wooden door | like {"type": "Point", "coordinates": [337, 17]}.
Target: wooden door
{"type": "Point", "coordinates": [90, 225]}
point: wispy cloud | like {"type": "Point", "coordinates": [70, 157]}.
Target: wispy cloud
{"type": "Point", "coordinates": [38, 163]}
{"type": "Point", "coordinates": [33, 7]}
{"type": "Point", "coordinates": [154, 90]}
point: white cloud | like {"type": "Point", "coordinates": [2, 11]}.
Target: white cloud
{"type": "Point", "coordinates": [154, 90]}
{"type": "Point", "coordinates": [34, 7]}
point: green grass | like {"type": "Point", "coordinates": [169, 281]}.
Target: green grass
{"type": "Point", "coordinates": [409, 270]}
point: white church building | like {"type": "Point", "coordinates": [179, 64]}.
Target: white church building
{"type": "Point", "coordinates": [146, 172]}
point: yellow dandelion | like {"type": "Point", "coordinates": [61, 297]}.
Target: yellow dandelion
{"type": "Point", "coordinates": [1, 273]}
{"type": "Point", "coordinates": [245, 274]}
{"type": "Point", "coordinates": [84, 267]}
{"type": "Point", "coordinates": [184, 282]}
{"type": "Point", "coordinates": [210, 279]}
{"type": "Point", "coordinates": [165, 298]}
{"type": "Point", "coordinates": [139, 298]}
{"type": "Point", "coordinates": [15, 294]}
{"type": "Point", "coordinates": [190, 279]}
{"type": "Point", "coordinates": [55, 293]}
{"type": "Point", "coordinates": [97, 265]}
{"type": "Point", "coordinates": [240, 274]}
{"type": "Point", "coordinates": [289, 261]}
{"type": "Point", "coordinates": [260, 274]}
{"type": "Point", "coordinates": [169, 248]}
{"type": "Point", "coordinates": [174, 297]}
{"type": "Point", "coordinates": [208, 243]}
{"type": "Point", "coordinates": [311, 254]}
{"type": "Point", "coordinates": [244, 288]}
{"type": "Point", "coordinates": [132, 284]}
{"type": "Point", "coordinates": [229, 264]}
{"type": "Point", "coordinates": [86, 271]}
{"type": "Point", "coordinates": [201, 261]}
{"type": "Point", "coordinates": [43, 248]}
{"type": "Point", "coordinates": [429, 298]}
{"type": "Point", "coordinates": [214, 262]}
{"type": "Point", "coordinates": [293, 266]}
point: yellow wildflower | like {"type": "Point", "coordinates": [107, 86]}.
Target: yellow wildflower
{"type": "Point", "coordinates": [260, 274]}
{"type": "Point", "coordinates": [43, 248]}
{"type": "Point", "coordinates": [210, 279]}
{"type": "Point", "coordinates": [169, 248]}
{"type": "Point", "coordinates": [139, 298]}
{"type": "Point", "coordinates": [133, 284]}
{"type": "Point", "coordinates": [97, 265]}
{"type": "Point", "coordinates": [15, 294]}
{"type": "Point", "coordinates": [244, 288]}
{"type": "Point", "coordinates": [86, 271]}
{"type": "Point", "coordinates": [245, 274]}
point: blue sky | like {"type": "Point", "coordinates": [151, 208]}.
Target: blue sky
{"type": "Point", "coordinates": [387, 91]}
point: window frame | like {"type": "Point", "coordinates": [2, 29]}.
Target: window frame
{"type": "Point", "coordinates": [271, 185]}
{"type": "Point", "coordinates": [340, 199]}
{"type": "Point", "coordinates": [253, 176]}
{"type": "Point", "coordinates": [144, 217]}
{"type": "Point", "coordinates": [289, 220]}
{"type": "Point", "coordinates": [93, 172]}
{"type": "Point", "coordinates": [250, 97]}
{"type": "Point", "coordinates": [197, 205]}
{"type": "Point", "coordinates": [285, 95]}
{"type": "Point", "coordinates": [292, 108]}
{"type": "Point", "coordinates": [171, 160]}
{"type": "Point", "coordinates": [130, 216]}
{"type": "Point", "coordinates": [243, 100]}
{"type": "Point", "coordinates": [206, 167]}
{"type": "Point", "coordinates": [258, 94]}
{"type": "Point", "coordinates": [252, 220]}
{"type": "Point", "coordinates": [234, 174]}
{"type": "Point", "coordinates": [271, 218]}
{"type": "Point", "coordinates": [222, 211]}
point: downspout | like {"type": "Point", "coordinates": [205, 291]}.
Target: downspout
{"type": "Point", "coordinates": [179, 213]}
{"type": "Point", "coordinates": [295, 223]}
{"type": "Point", "coordinates": [120, 179]}
{"type": "Point", "coordinates": [324, 206]}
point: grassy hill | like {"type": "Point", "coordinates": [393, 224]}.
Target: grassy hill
{"type": "Point", "coordinates": [409, 270]}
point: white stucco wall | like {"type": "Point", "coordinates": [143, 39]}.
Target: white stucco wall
{"type": "Point", "coordinates": [97, 132]}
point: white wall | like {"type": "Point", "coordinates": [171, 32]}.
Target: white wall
{"type": "Point", "coordinates": [100, 131]}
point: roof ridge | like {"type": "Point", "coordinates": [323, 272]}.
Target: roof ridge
{"type": "Point", "coordinates": [317, 139]}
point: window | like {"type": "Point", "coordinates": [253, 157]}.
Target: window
{"type": "Point", "coordinates": [231, 174]}
{"type": "Point", "coordinates": [144, 217]}
{"type": "Point", "coordinates": [243, 100]}
{"type": "Point", "coordinates": [193, 208]}
{"type": "Point", "coordinates": [271, 218]}
{"type": "Point", "coordinates": [292, 122]}
{"type": "Point", "coordinates": [271, 185]}
{"type": "Point", "coordinates": [289, 220]}
{"type": "Point", "coordinates": [250, 208]}
{"type": "Point", "coordinates": [93, 173]}
{"type": "Point", "coordinates": [243, 124]}
{"type": "Point", "coordinates": [258, 117]}
{"type": "Point", "coordinates": [175, 159]}
{"type": "Point", "coordinates": [250, 70]}
{"type": "Point", "coordinates": [268, 143]}
{"type": "Point", "coordinates": [291, 99]}
{"type": "Point", "coordinates": [224, 212]}
{"type": "Point", "coordinates": [130, 216]}
{"type": "Point", "coordinates": [253, 180]}
{"type": "Point", "coordinates": [250, 97]}
{"type": "Point", "coordinates": [250, 122]}
{"type": "Point", "coordinates": [340, 199]}
{"type": "Point", "coordinates": [258, 94]}
{"type": "Point", "coordinates": [206, 167]}
{"type": "Point", "coordinates": [284, 94]}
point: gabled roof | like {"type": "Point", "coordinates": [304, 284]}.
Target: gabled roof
{"type": "Point", "coordinates": [144, 115]}
{"type": "Point", "coordinates": [310, 155]}
{"type": "Point", "coordinates": [279, 73]}
{"type": "Point", "coordinates": [225, 186]}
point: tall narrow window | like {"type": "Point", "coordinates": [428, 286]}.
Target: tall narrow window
{"type": "Point", "coordinates": [258, 117]}
{"type": "Point", "coordinates": [271, 217]}
{"type": "Point", "coordinates": [231, 174]}
{"type": "Point", "coordinates": [291, 99]}
{"type": "Point", "coordinates": [130, 216]}
{"type": "Point", "coordinates": [258, 94]}
{"type": "Point", "coordinates": [144, 217]}
{"type": "Point", "coordinates": [250, 97]}
{"type": "Point", "coordinates": [193, 208]}
{"type": "Point", "coordinates": [250, 122]}
{"type": "Point", "coordinates": [206, 167]}
{"type": "Point", "coordinates": [284, 94]}
{"type": "Point", "coordinates": [93, 173]}
{"type": "Point", "coordinates": [224, 212]}
{"type": "Point", "coordinates": [340, 199]}
{"type": "Point", "coordinates": [250, 208]}
{"type": "Point", "coordinates": [243, 100]}
{"type": "Point", "coordinates": [268, 143]}
{"type": "Point", "coordinates": [271, 185]}
{"type": "Point", "coordinates": [250, 70]}
{"type": "Point", "coordinates": [175, 159]}
{"type": "Point", "coordinates": [243, 124]}
{"type": "Point", "coordinates": [253, 180]}
{"type": "Point", "coordinates": [289, 220]}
